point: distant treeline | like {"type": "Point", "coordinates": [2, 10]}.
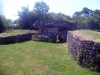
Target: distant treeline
{"type": "Point", "coordinates": [84, 19]}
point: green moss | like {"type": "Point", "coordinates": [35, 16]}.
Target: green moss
{"type": "Point", "coordinates": [79, 57]}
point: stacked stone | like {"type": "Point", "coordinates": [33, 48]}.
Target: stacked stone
{"type": "Point", "coordinates": [16, 38]}
{"type": "Point", "coordinates": [74, 44]}
{"type": "Point", "coordinates": [55, 24]}
{"type": "Point", "coordinates": [62, 36]}
{"type": "Point", "coordinates": [45, 37]}
{"type": "Point", "coordinates": [56, 27]}
{"type": "Point", "coordinates": [87, 52]}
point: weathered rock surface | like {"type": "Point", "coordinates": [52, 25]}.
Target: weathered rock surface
{"type": "Point", "coordinates": [55, 27]}
{"type": "Point", "coordinates": [60, 24]}
{"type": "Point", "coordinates": [87, 52]}
{"type": "Point", "coordinates": [16, 38]}
{"type": "Point", "coordinates": [44, 37]}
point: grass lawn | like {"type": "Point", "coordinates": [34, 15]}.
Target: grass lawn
{"type": "Point", "coordinates": [88, 34]}
{"type": "Point", "coordinates": [39, 58]}
{"type": "Point", "coordinates": [16, 32]}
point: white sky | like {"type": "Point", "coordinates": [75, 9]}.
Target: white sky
{"type": "Point", "coordinates": [68, 7]}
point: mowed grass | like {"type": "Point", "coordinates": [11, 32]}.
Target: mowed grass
{"type": "Point", "coordinates": [88, 34]}
{"type": "Point", "coordinates": [39, 58]}
{"type": "Point", "coordinates": [16, 32]}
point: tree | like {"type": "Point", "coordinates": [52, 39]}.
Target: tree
{"type": "Point", "coordinates": [58, 16]}
{"type": "Point", "coordinates": [2, 28]}
{"type": "Point", "coordinates": [96, 16]}
{"type": "Point", "coordinates": [86, 12]}
{"type": "Point", "coordinates": [92, 24]}
{"type": "Point", "coordinates": [24, 17]}
{"type": "Point", "coordinates": [7, 23]}
{"type": "Point", "coordinates": [87, 19]}
{"type": "Point", "coordinates": [97, 11]}
{"type": "Point", "coordinates": [27, 18]}
{"type": "Point", "coordinates": [41, 7]}
{"type": "Point", "coordinates": [76, 14]}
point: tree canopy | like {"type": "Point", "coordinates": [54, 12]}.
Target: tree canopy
{"type": "Point", "coordinates": [84, 19]}
{"type": "Point", "coordinates": [41, 7]}
{"type": "Point", "coordinates": [27, 18]}
{"type": "Point", "coordinates": [87, 19]}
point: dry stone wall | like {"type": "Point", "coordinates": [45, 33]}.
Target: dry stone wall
{"type": "Point", "coordinates": [16, 38]}
{"type": "Point", "coordinates": [86, 52]}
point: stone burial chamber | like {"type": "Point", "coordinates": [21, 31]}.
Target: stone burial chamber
{"type": "Point", "coordinates": [53, 30]}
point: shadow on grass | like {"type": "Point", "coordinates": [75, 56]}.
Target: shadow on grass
{"type": "Point", "coordinates": [90, 68]}
{"type": "Point", "coordinates": [2, 72]}
{"type": "Point", "coordinates": [13, 42]}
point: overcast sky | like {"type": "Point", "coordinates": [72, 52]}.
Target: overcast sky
{"type": "Point", "coordinates": [68, 7]}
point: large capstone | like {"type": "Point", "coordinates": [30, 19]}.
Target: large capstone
{"type": "Point", "coordinates": [54, 29]}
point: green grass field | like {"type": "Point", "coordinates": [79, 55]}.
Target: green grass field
{"type": "Point", "coordinates": [88, 34]}
{"type": "Point", "coordinates": [39, 58]}
{"type": "Point", "coordinates": [16, 32]}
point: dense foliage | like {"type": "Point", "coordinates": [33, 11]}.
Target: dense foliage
{"type": "Point", "coordinates": [5, 24]}
{"type": "Point", "coordinates": [84, 19]}
{"type": "Point", "coordinates": [39, 12]}
{"type": "Point", "coordinates": [2, 28]}
{"type": "Point", "coordinates": [87, 19]}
